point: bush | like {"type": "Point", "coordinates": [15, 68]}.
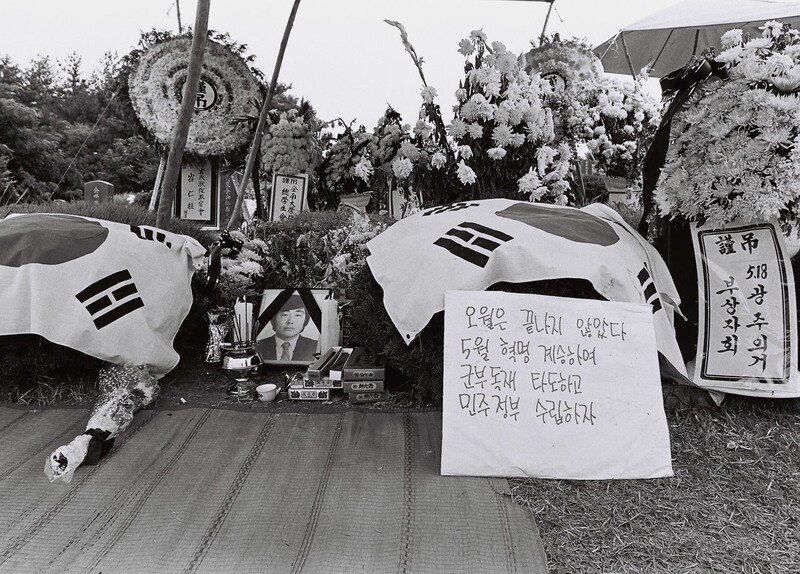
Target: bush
{"type": "Point", "coordinates": [417, 369]}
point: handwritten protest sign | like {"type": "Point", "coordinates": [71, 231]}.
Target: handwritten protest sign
{"type": "Point", "coordinates": [288, 195]}
{"type": "Point", "coordinates": [747, 332]}
{"type": "Point", "coordinates": [551, 387]}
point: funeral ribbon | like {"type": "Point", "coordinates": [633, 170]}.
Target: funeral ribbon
{"type": "Point", "coordinates": [308, 300]}
{"type": "Point", "coordinates": [679, 85]}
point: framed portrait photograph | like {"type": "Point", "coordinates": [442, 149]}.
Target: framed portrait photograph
{"type": "Point", "coordinates": [295, 325]}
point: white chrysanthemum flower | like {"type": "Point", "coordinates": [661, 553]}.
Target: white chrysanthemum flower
{"type": "Point", "coordinates": [402, 167]}
{"type": "Point", "coordinates": [428, 94]}
{"type": "Point", "coordinates": [422, 130]}
{"type": "Point", "coordinates": [475, 131]}
{"type": "Point", "coordinates": [771, 29]}
{"type": "Point", "coordinates": [501, 135]}
{"type": "Point", "coordinates": [731, 38]}
{"type": "Point", "coordinates": [529, 182]}
{"type": "Point", "coordinates": [498, 48]}
{"type": "Point", "coordinates": [496, 153]}
{"type": "Point", "coordinates": [461, 94]}
{"type": "Point", "coordinates": [517, 140]}
{"type": "Point", "coordinates": [364, 169]}
{"type": "Point", "coordinates": [438, 160]}
{"type": "Point", "coordinates": [478, 35]}
{"type": "Point", "coordinates": [544, 157]}
{"type": "Point", "coordinates": [732, 55]}
{"type": "Point", "coordinates": [789, 82]}
{"type": "Point", "coordinates": [457, 128]}
{"type": "Point", "coordinates": [465, 151]}
{"type": "Point", "coordinates": [465, 174]}
{"type": "Point", "coordinates": [465, 47]}
{"type": "Point", "coordinates": [409, 150]}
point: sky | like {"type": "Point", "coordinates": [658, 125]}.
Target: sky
{"type": "Point", "coordinates": [341, 55]}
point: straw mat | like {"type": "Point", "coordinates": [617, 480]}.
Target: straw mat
{"type": "Point", "coordinates": [216, 490]}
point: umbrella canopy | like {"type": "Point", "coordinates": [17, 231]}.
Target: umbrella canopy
{"type": "Point", "coordinates": [666, 40]}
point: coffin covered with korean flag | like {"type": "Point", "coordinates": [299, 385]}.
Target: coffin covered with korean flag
{"type": "Point", "coordinates": [113, 291]}
{"type": "Point", "coordinates": [472, 245]}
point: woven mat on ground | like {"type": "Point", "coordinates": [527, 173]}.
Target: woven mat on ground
{"type": "Point", "coordinates": [219, 491]}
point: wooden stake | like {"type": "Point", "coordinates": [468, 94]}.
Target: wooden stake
{"type": "Point", "coordinates": [181, 132]}
{"type": "Point", "coordinates": [234, 221]}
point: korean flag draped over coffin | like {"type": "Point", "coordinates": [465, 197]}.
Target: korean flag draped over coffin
{"type": "Point", "coordinates": [471, 245]}
{"type": "Point", "coordinates": [113, 291]}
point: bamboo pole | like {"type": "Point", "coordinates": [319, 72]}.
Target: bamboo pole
{"type": "Point", "coordinates": [546, 18]}
{"type": "Point", "coordinates": [157, 185]}
{"type": "Point", "coordinates": [178, 7]}
{"type": "Point", "coordinates": [234, 221]}
{"type": "Point", "coordinates": [181, 132]}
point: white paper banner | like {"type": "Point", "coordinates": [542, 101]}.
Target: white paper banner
{"type": "Point", "coordinates": [288, 195]}
{"type": "Point", "coordinates": [747, 332]}
{"type": "Point", "coordinates": [551, 387]}
{"type": "Point", "coordinates": [195, 202]}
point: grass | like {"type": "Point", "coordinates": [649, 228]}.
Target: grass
{"type": "Point", "coordinates": [733, 504]}
{"type": "Point", "coordinates": [47, 391]}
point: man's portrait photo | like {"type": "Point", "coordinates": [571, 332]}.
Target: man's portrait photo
{"type": "Point", "coordinates": [287, 332]}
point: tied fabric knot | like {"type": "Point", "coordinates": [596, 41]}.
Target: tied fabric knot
{"type": "Point", "coordinates": [679, 85]}
{"type": "Point", "coordinates": [285, 353]}
{"type": "Point", "coordinates": [99, 446]}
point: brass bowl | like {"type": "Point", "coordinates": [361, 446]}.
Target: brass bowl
{"type": "Point", "coordinates": [240, 362]}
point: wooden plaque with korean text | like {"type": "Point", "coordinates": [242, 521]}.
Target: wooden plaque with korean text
{"type": "Point", "coordinates": [196, 196]}
{"type": "Point", "coordinates": [288, 197]}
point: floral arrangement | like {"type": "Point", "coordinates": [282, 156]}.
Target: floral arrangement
{"type": "Point", "coordinates": [289, 146]}
{"type": "Point", "coordinates": [241, 268]}
{"type": "Point", "coordinates": [317, 250]}
{"type": "Point", "coordinates": [617, 121]}
{"type": "Point", "coordinates": [564, 63]}
{"type": "Point", "coordinates": [337, 173]}
{"type": "Point", "coordinates": [504, 129]}
{"type": "Point", "coordinates": [737, 155]}
{"type": "Point", "coordinates": [228, 88]}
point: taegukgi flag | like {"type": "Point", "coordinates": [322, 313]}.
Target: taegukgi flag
{"type": "Point", "coordinates": [472, 245]}
{"type": "Point", "coordinates": [113, 291]}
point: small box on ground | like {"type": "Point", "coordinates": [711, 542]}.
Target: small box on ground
{"type": "Point", "coordinates": [363, 386]}
{"type": "Point", "coordinates": [309, 394]}
{"type": "Point", "coordinates": [319, 368]}
{"type": "Point", "coordinates": [367, 397]}
{"type": "Point", "coordinates": [337, 366]}
{"type": "Point", "coordinates": [325, 383]}
{"type": "Point", "coordinates": [364, 366]}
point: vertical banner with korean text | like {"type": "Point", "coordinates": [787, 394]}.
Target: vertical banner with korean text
{"type": "Point", "coordinates": [551, 387]}
{"type": "Point", "coordinates": [288, 196]}
{"type": "Point", "coordinates": [747, 332]}
{"type": "Point", "coordinates": [197, 188]}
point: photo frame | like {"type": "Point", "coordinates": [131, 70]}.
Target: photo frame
{"type": "Point", "coordinates": [306, 319]}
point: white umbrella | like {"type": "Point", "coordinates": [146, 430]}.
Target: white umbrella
{"type": "Point", "coordinates": [665, 41]}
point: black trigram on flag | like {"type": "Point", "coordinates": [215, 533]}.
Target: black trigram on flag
{"type": "Point", "coordinates": [650, 291]}
{"type": "Point", "coordinates": [473, 242]}
{"type": "Point", "coordinates": [110, 298]}
{"type": "Point", "coordinates": [458, 206]}
{"type": "Point", "coordinates": [150, 235]}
